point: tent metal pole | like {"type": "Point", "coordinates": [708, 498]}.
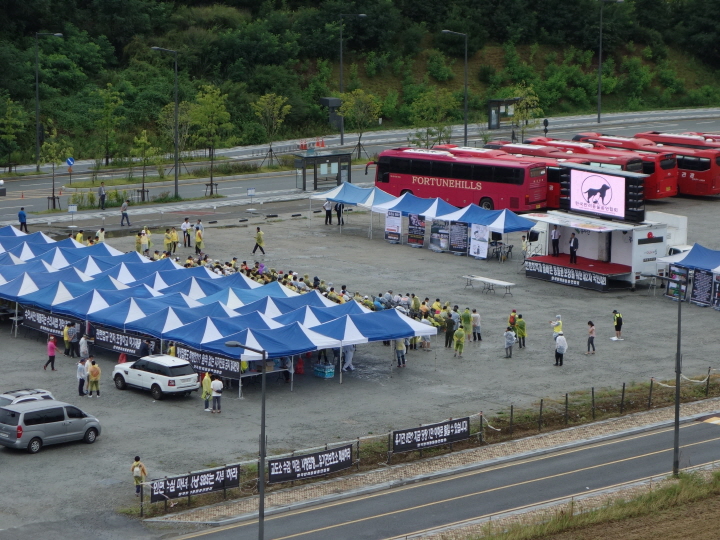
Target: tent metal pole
{"type": "Point", "coordinates": [341, 361]}
{"type": "Point", "coordinates": [16, 318]}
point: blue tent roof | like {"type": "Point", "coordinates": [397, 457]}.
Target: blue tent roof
{"type": "Point", "coordinates": [35, 267]}
{"type": "Point", "coordinates": [52, 295]}
{"type": "Point", "coordinates": [239, 281]}
{"type": "Point", "coordinates": [345, 193]}
{"type": "Point", "coordinates": [338, 310]}
{"type": "Point", "coordinates": [312, 298]}
{"type": "Point", "coordinates": [202, 331]}
{"type": "Point", "coordinates": [195, 287]}
{"type": "Point", "coordinates": [471, 214]}
{"type": "Point", "coordinates": [509, 221]}
{"type": "Point", "coordinates": [27, 250]}
{"type": "Point", "coordinates": [20, 286]}
{"type": "Point", "coordinates": [129, 310]}
{"type": "Point", "coordinates": [131, 256]}
{"type": "Point", "coordinates": [8, 259]}
{"type": "Point", "coordinates": [389, 324]}
{"type": "Point", "coordinates": [68, 275]}
{"type": "Point", "coordinates": [8, 242]}
{"type": "Point", "coordinates": [163, 279]}
{"type": "Point", "coordinates": [10, 231]}
{"type": "Point", "coordinates": [89, 302]}
{"type": "Point", "coordinates": [701, 257]}
{"type": "Point", "coordinates": [164, 321]}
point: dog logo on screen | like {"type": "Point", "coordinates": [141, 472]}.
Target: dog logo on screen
{"type": "Point", "coordinates": [596, 190]}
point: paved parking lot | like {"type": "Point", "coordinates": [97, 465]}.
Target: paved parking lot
{"type": "Point", "coordinates": [176, 435]}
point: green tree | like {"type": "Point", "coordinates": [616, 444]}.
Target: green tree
{"type": "Point", "coordinates": [12, 122]}
{"type": "Point", "coordinates": [211, 119]}
{"type": "Point", "coordinates": [147, 153]}
{"type": "Point", "coordinates": [55, 150]}
{"type": "Point", "coordinates": [271, 109]}
{"type": "Point", "coordinates": [527, 109]}
{"type": "Point", "coordinates": [361, 110]}
{"type": "Point", "coordinates": [108, 119]}
{"type": "Point", "coordinates": [430, 113]}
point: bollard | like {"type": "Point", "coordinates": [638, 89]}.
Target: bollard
{"type": "Point", "coordinates": [482, 428]}
{"type": "Point", "coordinates": [652, 379]}
{"type": "Point", "coordinates": [593, 402]}
{"type": "Point", "coordinates": [622, 400]}
{"type": "Point", "coordinates": [566, 409]}
{"type": "Point", "coordinates": [511, 421]}
{"type": "Point", "coordinates": [707, 385]}
{"type": "Point", "coordinates": [540, 417]}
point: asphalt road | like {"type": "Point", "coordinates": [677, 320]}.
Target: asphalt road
{"type": "Point", "coordinates": [32, 193]}
{"type": "Point", "coordinates": [470, 496]}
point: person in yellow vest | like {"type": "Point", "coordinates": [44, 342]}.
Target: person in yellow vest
{"type": "Point", "coordinates": [100, 235]}
{"type": "Point", "coordinates": [557, 326]}
{"type": "Point", "coordinates": [94, 374]}
{"type": "Point", "coordinates": [259, 241]}
{"type": "Point", "coordinates": [173, 240]}
{"type": "Point", "coordinates": [79, 237]}
{"type": "Point", "coordinates": [199, 241]}
{"type": "Point", "coordinates": [171, 349]}
{"type": "Point", "coordinates": [138, 243]}
{"type": "Point", "coordinates": [168, 240]}
{"type": "Point", "coordinates": [147, 232]}
{"type": "Point", "coordinates": [89, 242]}
{"type": "Point", "coordinates": [459, 339]}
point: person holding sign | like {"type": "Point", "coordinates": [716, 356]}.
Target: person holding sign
{"type": "Point", "coordinates": [139, 473]}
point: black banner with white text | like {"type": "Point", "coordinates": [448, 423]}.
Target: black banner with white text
{"type": "Point", "coordinates": [310, 465]}
{"type": "Point", "coordinates": [407, 440]}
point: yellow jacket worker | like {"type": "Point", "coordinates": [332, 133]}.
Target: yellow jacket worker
{"type": "Point", "coordinates": [259, 241]}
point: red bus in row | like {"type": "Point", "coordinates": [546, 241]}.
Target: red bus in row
{"type": "Point", "coordinates": [698, 168]}
{"type": "Point", "coordinates": [661, 168]}
{"type": "Point", "coordinates": [685, 140]}
{"type": "Point", "coordinates": [518, 185]}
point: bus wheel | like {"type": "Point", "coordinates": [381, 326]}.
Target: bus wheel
{"type": "Point", "coordinates": [404, 191]}
{"type": "Point", "coordinates": [487, 203]}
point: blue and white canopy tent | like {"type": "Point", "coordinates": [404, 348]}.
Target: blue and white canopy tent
{"type": "Point", "coordinates": [10, 231]}
{"type": "Point", "coordinates": [352, 195]}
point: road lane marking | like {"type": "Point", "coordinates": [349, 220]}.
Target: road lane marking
{"type": "Point", "coordinates": [455, 477]}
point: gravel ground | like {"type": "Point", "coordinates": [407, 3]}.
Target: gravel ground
{"type": "Point", "coordinates": [175, 435]}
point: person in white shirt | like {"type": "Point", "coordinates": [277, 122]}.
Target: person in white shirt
{"type": "Point", "coordinates": [561, 346]}
{"type": "Point", "coordinates": [186, 227]}
{"type": "Point", "coordinates": [555, 237]}
{"type": "Point", "coordinates": [100, 235]}
{"type": "Point", "coordinates": [328, 212]}
{"type": "Point", "coordinates": [217, 388]}
{"type": "Point", "coordinates": [476, 326]}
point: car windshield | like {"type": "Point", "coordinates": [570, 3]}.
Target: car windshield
{"type": "Point", "coordinates": [5, 401]}
{"type": "Point", "coordinates": [176, 371]}
{"type": "Point", "coordinates": [9, 418]}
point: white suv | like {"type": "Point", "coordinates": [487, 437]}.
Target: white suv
{"type": "Point", "coordinates": [159, 373]}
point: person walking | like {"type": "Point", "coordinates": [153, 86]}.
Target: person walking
{"type": "Point", "coordinates": [173, 240]}
{"type": "Point", "coordinates": [555, 238]}
{"type": "Point", "coordinates": [101, 195]}
{"type": "Point", "coordinates": [199, 241]}
{"type": "Point", "coordinates": [81, 374]}
{"type": "Point", "coordinates": [51, 353]}
{"type": "Point", "coordinates": [66, 339]}
{"type": "Point", "coordinates": [459, 338]}
{"type": "Point", "coordinates": [512, 319]}
{"type": "Point", "coordinates": [348, 352]}
{"type": "Point", "coordinates": [217, 388]}
{"type": "Point", "coordinates": [521, 331]}
{"type": "Point", "coordinates": [328, 212]}
{"type": "Point", "coordinates": [185, 227]}
{"type": "Point", "coordinates": [618, 322]}
{"type": "Point", "coordinates": [466, 320]}
{"type": "Point", "coordinates": [339, 208]}
{"type": "Point", "coordinates": [139, 473]}
{"type": "Point", "coordinates": [22, 218]}
{"type": "Point", "coordinates": [73, 337]}
{"type": "Point", "coordinates": [259, 241]}
{"type": "Point", "coordinates": [400, 352]}
{"type": "Point", "coordinates": [477, 336]}
{"type": "Point", "coordinates": [591, 338]}
{"type": "Point", "coordinates": [449, 331]}
{"type": "Point", "coordinates": [207, 391]}
{"type": "Point", "coordinates": [561, 346]}
{"type": "Point", "coordinates": [574, 244]}
{"type": "Point", "coordinates": [94, 374]}
{"type": "Point", "coordinates": [124, 213]}
{"type": "Point", "coordinates": [509, 336]}
{"type": "Point", "coordinates": [557, 326]}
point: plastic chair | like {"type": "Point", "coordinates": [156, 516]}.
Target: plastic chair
{"type": "Point", "coordinates": [508, 253]}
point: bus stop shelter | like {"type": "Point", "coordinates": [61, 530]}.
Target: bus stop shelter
{"type": "Point", "coordinates": [327, 169]}
{"type": "Point", "coordinates": [499, 110]}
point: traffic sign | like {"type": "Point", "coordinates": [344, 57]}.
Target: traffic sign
{"type": "Point", "coordinates": [70, 161]}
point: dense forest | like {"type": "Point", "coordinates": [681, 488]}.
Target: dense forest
{"type": "Point", "coordinates": [104, 91]}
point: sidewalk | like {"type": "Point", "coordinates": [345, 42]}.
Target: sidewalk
{"type": "Point", "coordinates": [398, 475]}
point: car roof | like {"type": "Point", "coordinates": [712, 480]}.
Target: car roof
{"type": "Point", "coordinates": [166, 360]}
{"type": "Point", "coordinates": [25, 392]}
{"type": "Point", "coordinates": [36, 405]}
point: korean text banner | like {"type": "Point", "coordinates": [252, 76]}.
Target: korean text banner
{"type": "Point", "coordinates": [194, 484]}
{"type": "Point", "coordinates": [407, 440]}
{"type": "Point", "coordinates": [310, 465]}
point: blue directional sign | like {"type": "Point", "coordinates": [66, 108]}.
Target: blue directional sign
{"type": "Point", "coordinates": [70, 161]}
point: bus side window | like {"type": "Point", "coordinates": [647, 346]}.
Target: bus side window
{"type": "Point", "coordinates": [462, 171]}
{"type": "Point", "coordinates": [482, 173]}
{"type": "Point", "coordinates": [421, 167]}
{"type": "Point", "coordinates": [703, 164]}
{"type": "Point", "coordinates": [383, 170]}
{"type": "Point", "coordinates": [508, 175]}
{"type": "Point", "coordinates": [442, 169]}
{"type": "Point", "coordinates": [400, 166]}
{"type": "Point", "coordinates": [648, 167]}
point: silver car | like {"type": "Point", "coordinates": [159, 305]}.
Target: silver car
{"type": "Point", "coordinates": [34, 424]}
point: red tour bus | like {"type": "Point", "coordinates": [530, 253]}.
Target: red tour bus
{"type": "Point", "coordinates": [685, 140]}
{"type": "Point", "coordinates": [556, 172]}
{"type": "Point", "coordinates": [661, 168]}
{"type": "Point", "coordinates": [518, 186]}
{"type": "Point", "coordinates": [698, 169]}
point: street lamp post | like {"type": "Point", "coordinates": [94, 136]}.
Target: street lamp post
{"type": "Point", "coordinates": [342, 118]}
{"type": "Point", "coordinates": [37, 94]}
{"type": "Point", "coordinates": [175, 130]}
{"type": "Point", "coordinates": [599, 96]}
{"type": "Point", "coordinates": [678, 373]}
{"type": "Point", "coordinates": [261, 472]}
{"type": "Point", "coordinates": [465, 139]}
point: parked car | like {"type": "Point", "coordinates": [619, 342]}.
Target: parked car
{"type": "Point", "coordinates": [159, 373]}
{"type": "Point", "coordinates": [34, 424]}
{"type": "Point", "coordinates": [682, 248]}
{"type": "Point", "coordinates": [21, 396]}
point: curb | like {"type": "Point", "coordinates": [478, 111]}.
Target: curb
{"type": "Point", "coordinates": [440, 474]}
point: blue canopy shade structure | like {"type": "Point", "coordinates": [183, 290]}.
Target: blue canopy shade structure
{"type": "Point", "coordinates": [69, 243]}
{"type": "Point", "coordinates": [284, 341]}
{"type": "Point", "coordinates": [265, 305]}
{"type": "Point", "coordinates": [699, 257]}
{"type": "Point", "coordinates": [312, 298]}
{"type": "Point", "coordinates": [48, 297]}
{"type": "Point", "coordinates": [201, 272]}
{"type": "Point", "coordinates": [27, 251]}
{"type": "Point", "coordinates": [129, 272]}
{"type": "Point", "coordinates": [56, 256]}
{"type": "Point", "coordinates": [8, 273]}
{"type": "Point", "coordinates": [68, 275]}
{"type": "Point", "coordinates": [345, 193]}
{"type": "Point", "coordinates": [131, 256]}
{"type": "Point", "coordinates": [509, 221]}
{"type": "Point", "coordinates": [406, 204]}
{"type": "Point", "coordinates": [196, 288]}
{"type": "Point", "coordinates": [91, 266]}
{"type": "Point", "coordinates": [132, 309]}
{"type": "Point", "coordinates": [311, 316]}
{"type": "Point", "coordinates": [376, 197]}
{"type": "Point", "coordinates": [8, 259]}
{"type": "Point", "coordinates": [342, 329]}
{"type": "Point", "coordinates": [471, 214]}
{"type": "Point", "coordinates": [338, 310]}
{"type": "Point", "coordinates": [207, 329]}
{"type": "Point", "coordinates": [102, 250]}
{"type": "Point", "coordinates": [10, 231]}
{"type": "Point", "coordinates": [390, 324]}
{"type": "Point", "coordinates": [163, 279]}
{"type": "Point", "coordinates": [274, 289]}
{"type": "Point", "coordinates": [239, 281]}
{"type": "Point", "coordinates": [8, 242]}
{"type": "Point", "coordinates": [164, 321]}
{"type": "Point", "coordinates": [107, 283]}
{"type": "Point", "coordinates": [20, 286]}
{"type": "Point", "coordinates": [88, 303]}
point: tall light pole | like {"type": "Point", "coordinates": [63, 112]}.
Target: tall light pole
{"type": "Point", "coordinates": [602, 4]}
{"type": "Point", "coordinates": [37, 94]}
{"type": "Point", "coordinates": [678, 373]}
{"type": "Point", "coordinates": [465, 143]}
{"type": "Point", "coordinates": [342, 118]}
{"type": "Point", "coordinates": [176, 135]}
{"type": "Point", "coordinates": [263, 452]}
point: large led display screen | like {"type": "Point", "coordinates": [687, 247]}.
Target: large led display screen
{"type": "Point", "coordinates": [599, 194]}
